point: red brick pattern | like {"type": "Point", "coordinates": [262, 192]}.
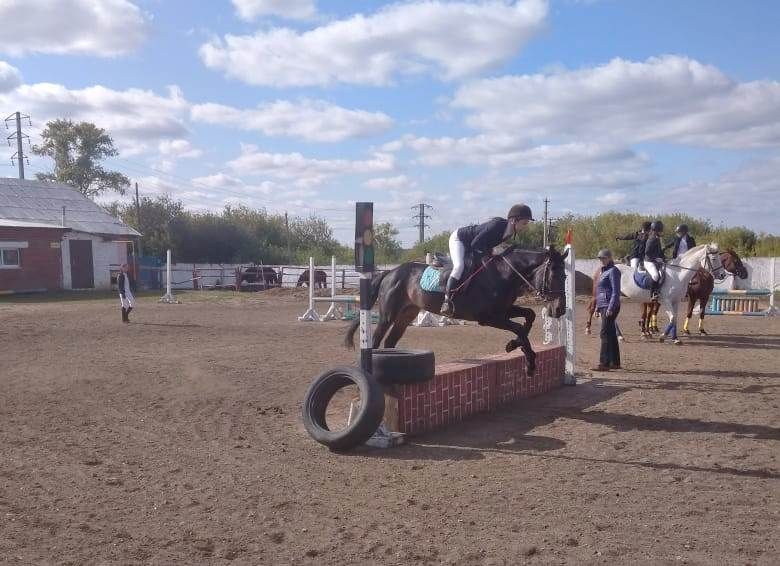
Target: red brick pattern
{"type": "Point", "coordinates": [41, 265]}
{"type": "Point", "coordinates": [465, 388]}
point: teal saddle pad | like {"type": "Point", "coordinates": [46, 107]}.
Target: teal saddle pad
{"type": "Point", "coordinates": [431, 280]}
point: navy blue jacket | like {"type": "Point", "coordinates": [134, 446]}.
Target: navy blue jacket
{"type": "Point", "coordinates": [484, 237]}
{"type": "Point", "coordinates": [608, 288]}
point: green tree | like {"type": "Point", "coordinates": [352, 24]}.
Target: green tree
{"type": "Point", "coordinates": [767, 246]}
{"type": "Point", "coordinates": [77, 150]}
{"type": "Point", "coordinates": [156, 217]}
{"type": "Point", "coordinates": [388, 247]}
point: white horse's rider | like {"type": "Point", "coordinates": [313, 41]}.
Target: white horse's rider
{"type": "Point", "coordinates": [654, 255]}
{"type": "Point", "coordinates": [480, 240]}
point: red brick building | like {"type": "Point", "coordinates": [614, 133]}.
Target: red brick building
{"type": "Point", "coordinates": [52, 237]}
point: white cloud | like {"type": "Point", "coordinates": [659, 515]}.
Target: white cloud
{"type": "Point", "coordinates": [310, 120]}
{"type": "Point", "coordinates": [746, 196]}
{"type": "Point", "coordinates": [451, 39]}
{"type": "Point", "coordinates": [305, 172]}
{"type": "Point", "coordinates": [611, 199]}
{"type": "Point", "coordinates": [179, 149]}
{"type": "Point", "coordinates": [667, 98]}
{"type": "Point", "coordinates": [103, 28]}
{"type": "Point", "coordinates": [384, 183]}
{"type": "Point", "coordinates": [10, 77]}
{"type": "Point", "coordinates": [138, 120]}
{"type": "Point", "coordinates": [250, 10]}
{"type": "Point", "coordinates": [509, 150]}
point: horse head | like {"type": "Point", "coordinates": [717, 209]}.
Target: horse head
{"type": "Point", "coordinates": [549, 278]}
{"type": "Point", "coordinates": [712, 262]}
{"type": "Point", "coordinates": [733, 264]}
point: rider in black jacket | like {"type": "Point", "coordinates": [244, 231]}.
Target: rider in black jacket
{"type": "Point", "coordinates": [654, 255]}
{"type": "Point", "coordinates": [682, 241]}
{"type": "Point", "coordinates": [639, 238]}
{"type": "Point", "coordinates": [480, 241]}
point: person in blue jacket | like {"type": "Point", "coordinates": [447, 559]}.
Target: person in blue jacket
{"type": "Point", "coordinates": [608, 306]}
{"type": "Point", "coordinates": [480, 240]}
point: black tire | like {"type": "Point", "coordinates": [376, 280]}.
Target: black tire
{"type": "Point", "coordinates": [390, 366]}
{"type": "Point", "coordinates": [364, 424]}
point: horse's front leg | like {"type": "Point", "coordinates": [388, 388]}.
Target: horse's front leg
{"type": "Point", "coordinates": [516, 311]}
{"type": "Point", "coordinates": [521, 341]}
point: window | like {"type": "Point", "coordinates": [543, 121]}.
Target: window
{"type": "Point", "coordinates": [10, 257]}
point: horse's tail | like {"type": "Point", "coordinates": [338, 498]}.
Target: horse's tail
{"type": "Point", "coordinates": [376, 282]}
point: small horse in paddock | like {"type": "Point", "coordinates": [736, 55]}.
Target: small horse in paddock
{"type": "Point", "coordinates": [320, 279]}
{"type": "Point", "coordinates": [487, 296]}
{"type": "Point", "coordinates": [703, 284]}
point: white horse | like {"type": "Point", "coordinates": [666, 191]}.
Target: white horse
{"type": "Point", "coordinates": [679, 273]}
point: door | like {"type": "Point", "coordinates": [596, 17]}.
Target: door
{"type": "Point", "coordinates": [82, 275]}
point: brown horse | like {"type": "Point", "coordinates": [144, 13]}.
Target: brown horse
{"type": "Point", "coordinates": [701, 286]}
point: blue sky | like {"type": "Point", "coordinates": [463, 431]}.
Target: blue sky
{"type": "Point", "coordinates": [307, 106]}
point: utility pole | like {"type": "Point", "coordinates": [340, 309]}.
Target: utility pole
{"type": "Point", "coordinates": [420, 217]}
{"type": "Point", "coordinates": [138, 219]}
{"type": "Point", "coordinates": [20, 136]}
{"type": "Point", "coordinates": [546, 228]}
{"type": "Point", "coordinates": [287, 227]}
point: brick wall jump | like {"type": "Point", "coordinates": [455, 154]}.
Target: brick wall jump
{"type": "Point", "coordinates": [469, 387]}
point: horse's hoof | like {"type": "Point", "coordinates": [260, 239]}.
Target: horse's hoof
{"type": "Point", "coordinates": [702, 331]}
{"type": "Point", "coordinates": [511, 346]}
{"type": "Point", "coordinates": [587, 331]}
{"type": "Point", "coordinates": [662, 339]}
{"type": "Point", "coordinates": [687, 332]}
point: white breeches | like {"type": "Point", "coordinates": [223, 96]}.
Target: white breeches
{"type": "Point", "coordinates": [458, 255]}
{"type": "Point", "coordinates": [128, 301]}
{"type": "Point", "coordinates": [652, 269]}
{"type": "Point", "coordinates": [634, 263]}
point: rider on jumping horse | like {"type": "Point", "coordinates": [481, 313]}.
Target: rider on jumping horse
{"type": "Point", "coordinates": [654, 255]}
{"type": "Point", "coordinates": [480, 241]}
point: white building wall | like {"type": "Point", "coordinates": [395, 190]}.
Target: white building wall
{"type": "Point", "coordinates": [104, 255]}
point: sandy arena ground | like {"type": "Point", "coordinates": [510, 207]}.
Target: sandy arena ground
{"type": "Point", "coordinates": [177, 440]}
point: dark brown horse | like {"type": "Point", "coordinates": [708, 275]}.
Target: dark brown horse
{"type": "Point", "coordinates": [320, 279]}
{"type": "Point", "coordinates": [489, 298]}
{"type": "Point", "coordinates": [701, 286]}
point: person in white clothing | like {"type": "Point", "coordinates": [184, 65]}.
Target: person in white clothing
{"type": "Point", "coordinates": [125, 285]}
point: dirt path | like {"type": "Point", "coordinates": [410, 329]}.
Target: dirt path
{"type": "Point", "coordinates": [177, 439]}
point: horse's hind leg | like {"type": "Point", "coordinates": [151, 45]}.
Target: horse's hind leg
{"type": "Point", "coordinates": [702, 307]}
{"type": "Point", "coordinates": [689, 314]}
{"type": "Point", "coordinates": [402, 322]}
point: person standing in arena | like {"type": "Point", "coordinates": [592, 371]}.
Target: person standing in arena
{"type": "Point", "coordinates": [125, 284]}
{"type": "Point", "coordinates": [682, 241]}
{"type": "Point", "coordinates": [608, 306]}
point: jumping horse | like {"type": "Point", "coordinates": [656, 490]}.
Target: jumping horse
{"type": "Point", "coordinates": [487, 296]}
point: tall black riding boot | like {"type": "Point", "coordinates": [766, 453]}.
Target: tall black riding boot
{"type": "Point", "coordinates": [447, 308]}
{"type": "Point", "coordinates": [129, 310]}
{"type": "Point", "coordinates": [124, 315]}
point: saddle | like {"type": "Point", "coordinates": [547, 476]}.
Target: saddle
{"type": "Point", "coordinates": [434, 278]}
{"type": "Point", "coordinates": [644, 281]}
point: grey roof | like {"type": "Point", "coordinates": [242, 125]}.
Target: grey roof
{"type": "Point", "coordinates": [25, 202]}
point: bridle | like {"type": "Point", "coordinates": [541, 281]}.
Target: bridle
{"type": "Point", "coordinates": [542, 292]}
{"type": "Point", "coordinates": [720, 270]}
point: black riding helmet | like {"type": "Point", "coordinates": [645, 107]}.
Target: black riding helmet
{"type": "Point", "coordinates": [521, 212]}
{"type": "Point", "coordinates": [658, 226]}
{"type": "Point", "coordinates": [682, 229]}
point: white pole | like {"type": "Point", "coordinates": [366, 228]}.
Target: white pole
{"type": "Point", "coordinates": [311, 314]}
{"type": "Point", "coordinates": [168, 297]}
{"type": "Point", "coordinates": [571, 356]}
{"type": "Point", "coordinates": [772, 286]}
{"type": "Point", "coordinates": [334, 311]}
